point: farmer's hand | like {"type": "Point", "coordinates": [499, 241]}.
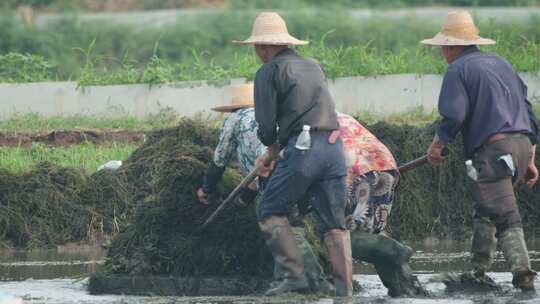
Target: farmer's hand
{"type": "Point", "coordinates": [267, 160]}
{"type": "Point", "coordinates": [202, 197]}
{"type": "Point", "coordinates": [265, 169]}
{"type": "Point", "coordinates": [434, 153]}
{"type": "Point", "coordinates": [532, 175]}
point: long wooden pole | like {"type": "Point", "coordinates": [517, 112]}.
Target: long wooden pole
{"type": "Point", "coordinates": [413, 164]}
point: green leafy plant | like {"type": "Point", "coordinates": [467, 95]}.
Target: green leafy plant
{"type": "Point", "coordinates": [24, 68]}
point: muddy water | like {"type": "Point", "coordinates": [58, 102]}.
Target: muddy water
{"type": "Point", "coordinates": [59, 276]}
{"type": "Point", "coordinates": [61, 262]}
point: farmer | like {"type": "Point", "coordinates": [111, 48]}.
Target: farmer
{"type": "Point", "coordinates": [238, 139]}
{"type": "Point", "coordinates": [372, 177]}
{"type": "Point", "coordinates": [290, 93]}
{"type": "Point", "coordinates": [484, 98]}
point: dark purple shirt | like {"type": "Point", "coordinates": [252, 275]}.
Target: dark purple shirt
{"type": "Point", "coordinates": [482, 95]}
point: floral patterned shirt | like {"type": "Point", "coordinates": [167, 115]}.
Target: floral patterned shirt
{"type": "Point", "coordinates": [239, 136]}
{"type": "Point", "coordinates": [363, 151]}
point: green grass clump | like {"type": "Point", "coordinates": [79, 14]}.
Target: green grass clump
{"type": "Point", "coordinates": [86, 157]}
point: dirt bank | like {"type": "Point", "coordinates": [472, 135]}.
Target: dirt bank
{"type": "Point", "coordinates": [70, 137]}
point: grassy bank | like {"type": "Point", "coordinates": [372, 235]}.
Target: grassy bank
{"type": "Point", "coordinates": [33, 122]}
{"type": "Point", "coordinates": [103, 53]}
{"type": "Point", "coordinates": [86, 157]}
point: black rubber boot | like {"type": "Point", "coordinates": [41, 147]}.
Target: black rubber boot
{"type": "Point", "coordinates": [524, 280]}
{"type": "Point", "coordinates": [514, 248]}
{"type": "Point", "coordinates": [281, 242]}
{"type": "Point", "coordinates": [338, 244]}
{"type": "Point", "coordinates": [390, 259]}
{"type": "Point", "coordinates": [318, 284]}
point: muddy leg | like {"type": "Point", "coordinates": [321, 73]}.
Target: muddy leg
{"type": "Point", "coordinates": [483, 245]}
{"type": "Point", "coordinates": [312, 268]}
{"type": "Point", "coordinates": [390, 259]}
{"type": "Point", "coordinates": [513, 245]}
{"type": "Point", "coordinates": [281, 242]}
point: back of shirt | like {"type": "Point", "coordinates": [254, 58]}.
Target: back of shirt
{"type": "Point", "coordinates": [291, 91]}
{"type": "Point", "coordinates": [364, 152]}
{"type": "Point", "coordinates": [482, 95]}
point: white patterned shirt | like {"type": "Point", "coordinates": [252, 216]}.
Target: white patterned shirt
{"type": "Point", "coordinates": [239, 136]}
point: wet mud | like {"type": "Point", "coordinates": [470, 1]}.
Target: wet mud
{"type": "Point", "coordinates": [63, 291]}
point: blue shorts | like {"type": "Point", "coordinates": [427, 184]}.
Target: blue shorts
{"type": "Point", "coordinates": [317, 174]}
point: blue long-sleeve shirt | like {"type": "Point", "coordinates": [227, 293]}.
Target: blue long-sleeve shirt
{"type": "Point", "coordinates": [482, 95]}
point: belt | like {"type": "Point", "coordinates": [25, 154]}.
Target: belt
{"type": "Point", "coordinates": [500, 136]}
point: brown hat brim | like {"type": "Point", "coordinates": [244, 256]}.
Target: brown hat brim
{"type": "Point", "coordinates": [282, 39]}
{"type": "Point", "coordinates": [443, 40]}
{"type": "Point", "coordinates": [229, 109]}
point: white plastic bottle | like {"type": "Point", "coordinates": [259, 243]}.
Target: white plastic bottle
{"type": "Point", "coordinates": [471, 170]}
{"type": "Point", "coordinates": [303, 142]}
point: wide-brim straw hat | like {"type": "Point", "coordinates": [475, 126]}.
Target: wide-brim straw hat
{"type": "Point", "coordinates": [238, 96]}
{"type": "Point", "coordinates": [458, 29]}
{"type": "Point", "coordinates": [270, 29]}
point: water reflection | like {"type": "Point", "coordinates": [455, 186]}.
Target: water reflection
{"type": "Point", "coordinates": [432, 256]}
{"type": "Point", "coordinates": [64, 261]}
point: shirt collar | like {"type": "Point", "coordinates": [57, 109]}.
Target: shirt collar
{"type": "Point", "coordinates": [468, 50]}
{"type": "Point", "coordinates": [285, 51]}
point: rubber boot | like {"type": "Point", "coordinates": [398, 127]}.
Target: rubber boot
{"type": "Point", "coordinates": [390, 259]}
{"type": "Point", "coordinates": [338, 244]}
{"type": "Point", "coordinates": [512, 244]}
{"type": "Point", "coordinates": [312, 268]}
{"type": "Point", "coordinates": [281, 242]}
{"type": "Point", "coordinates": [483, 246]}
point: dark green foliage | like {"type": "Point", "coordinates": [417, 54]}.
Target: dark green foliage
{"type": "Point", "coordinates": [429, 201]}
{"type": "Point", "coordinates": [438, 201]}
{"type": "Point", "coordinates": [39, 208]}
{"type": "Point", "coordinates": [165, 173]}
{"type": "Point", "coordinates": [149, 204]}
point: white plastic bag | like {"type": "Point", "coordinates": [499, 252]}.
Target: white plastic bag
{"type": "Point", "coordinates": [111, 165]}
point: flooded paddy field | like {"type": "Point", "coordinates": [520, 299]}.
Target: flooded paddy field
{"type": "Point", "coordinates": [61, 275]}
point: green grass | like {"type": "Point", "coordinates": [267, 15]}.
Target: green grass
{"type": "Point", "coordinates": [85, 156]}
{"type": "Point", "coordinates": [89, 156]}
{"type": "Point", "coordinates": [62, 5]}
{"type": "Point", "coordinates": [201, 48]}
{"type": "Point", "coordinates": [34, 122]}
{"type": "Point", "coordinates": [336, 62]}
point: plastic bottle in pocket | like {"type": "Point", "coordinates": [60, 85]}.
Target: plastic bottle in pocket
{"type": "Point", "coordinates": [303, 142]}
{"type": "Point", "coordinates": [471, 170]}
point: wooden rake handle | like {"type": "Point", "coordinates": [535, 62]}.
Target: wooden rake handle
{"type": "Point", "coordinates": [413, 164]}
{"type": "Point", "coordinates": [234, 194]}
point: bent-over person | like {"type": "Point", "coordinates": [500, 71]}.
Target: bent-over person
{"type": "Point", "coordinates": [372, 178]}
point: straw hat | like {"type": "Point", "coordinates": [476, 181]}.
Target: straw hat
{"type": "Point", "coordinates": [239, 96]}
{"type": "Point", "coordinates": [270, 29]}
{"type": "Point", "coordinates": [458, 29]}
